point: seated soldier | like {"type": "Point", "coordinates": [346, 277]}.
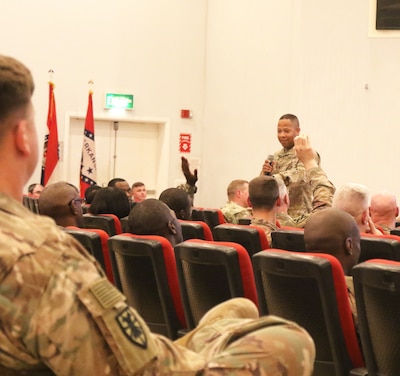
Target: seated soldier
{"type": "Point", "coordinates": [121, 184]}
{"type": "Point", "coordinates": [138, 192]}
{"type": "Point", "coordinates": [61, 202]}
{"type": "Point", "coordinates": [353, 198]}
{"type": "Point", "coordinates": [335, 232]}
{"type": "Point", "coordinates": [35, 189]}
{"type": "Point", "coordinates": [237, 206]}
{"type": "Point", "coordinates": [179, 201]}
{"type": "Point", "coordinates": [264, 196]}
{"type": "Point", "coordinates": [383, 210]}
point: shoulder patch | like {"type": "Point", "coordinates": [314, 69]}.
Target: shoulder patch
{"type": "Point", "coordinates": [132, 328]}
{"type": "Point", "coordinates": [106, 294]}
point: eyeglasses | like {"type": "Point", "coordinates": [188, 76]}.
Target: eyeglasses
{"type": "Point", "coordinates": [81, 200]}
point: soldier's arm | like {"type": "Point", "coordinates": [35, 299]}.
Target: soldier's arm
{"type": "Point", "coordinates": [321, 186]}
{"type": "Point", "coordinates": [83, 326]}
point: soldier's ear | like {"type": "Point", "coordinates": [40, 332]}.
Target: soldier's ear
{"type": "Point", "coordinates": [348, 246]}
{"type": "Point", "coordinates": [21, 138]}
{"type": "Point", "coordinates": [171, 227]}
{"type": "Point", "coordinates": [73, 208]}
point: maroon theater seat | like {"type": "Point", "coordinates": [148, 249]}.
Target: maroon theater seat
{"type": "Point", "coordinates": [195, 230]}
{"type": "Point", "coordinates": [211, 272]}
{"type": "Point", "coordinates": [377, 290]}
{"type": "Point", "coordinates": [145, 271]}
{"type": "Point", "coordinates": [252, 238]}
{"type": "Point", "coordinates": [310, 289]}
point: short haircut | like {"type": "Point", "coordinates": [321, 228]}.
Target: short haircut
{"type": "Point", "coordinates": [137, 184]}
{"type": "Point", "coordinates": [149, 217]}
{"type": "Point", "coordinates": [16, 88]}
{"type": "Point", "coordinates": [263, 192]}
{"type": "Point", "coordinates": [114, 181]}
{"type": "Point", "coordinates": [234, 185]}
{"type": "Point", "coordinates": [326, 231]}
{"type": "Point", "coordinates": [53, 201]}
{"type": "Point", "coordinates": [292, 118]}
{"type": "Point", "coordinates": [177, 200]}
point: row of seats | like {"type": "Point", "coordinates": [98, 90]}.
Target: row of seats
{"type": "Point", "coordinates": [253, 238]}
{"type": "Point", "coordinates": [31, 203]}
{"type": "Point", "coordinates": [183, 283]}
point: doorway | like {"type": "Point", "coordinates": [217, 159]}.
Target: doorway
{"type": "Point", "coordinates": [132, 149]}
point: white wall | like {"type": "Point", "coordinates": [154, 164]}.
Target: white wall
{"type": "Point", "coordinates": [237, 64]}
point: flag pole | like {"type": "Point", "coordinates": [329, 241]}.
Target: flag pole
{"type": "Point", "coordinates": [90, 84]}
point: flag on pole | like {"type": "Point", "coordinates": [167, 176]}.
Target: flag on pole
{"type": "Point", "coordinates": [50, 149]}
{"type": "Point", "coordinates": [88, 161]}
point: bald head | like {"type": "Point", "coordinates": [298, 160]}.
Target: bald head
{"type": "Point", "coordinates": [383, 209]}
{"type": "Point", "coordinates": [335, 232]}
{"type": "Point", "coordinates": [60, 201]}
{"type": "Point", "coordinates": [154, 217]}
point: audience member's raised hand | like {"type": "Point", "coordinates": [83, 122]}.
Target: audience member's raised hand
{"type": "Point", "coordinates": [372, 228]}
{"type": "Point", "coordinates": [191, 178]}
{"type": "Point", "coordinates": [304, 151]}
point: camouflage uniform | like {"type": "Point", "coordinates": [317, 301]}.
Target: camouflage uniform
{"type": "Point", "coordinates": [189, 189]}
{"type": "Point", "coordinates": [293, 173]}
{"type": "Point", "coordinates": [352, 298]}
{"type": "Point", "coordinates": [322, 192]}
{"type": "Point", "coordinates": [58, 312]}
{"type": "Point", "coordinates": [233, 212]}
{"type": "Point", "coordinates": [268, 227]}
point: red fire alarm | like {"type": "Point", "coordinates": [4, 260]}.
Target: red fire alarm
{"type": "Point", "coordinates": [186, 114]}
{"type": "Point", "coordinates": [185, 142]}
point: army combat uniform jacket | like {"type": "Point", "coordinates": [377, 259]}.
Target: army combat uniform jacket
{"type": "Point", "coordinates": [322, 195]}
{"type": "Point", "coordinates": [233, 212]}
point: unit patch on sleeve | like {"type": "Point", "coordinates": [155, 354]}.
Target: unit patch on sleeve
{"type": "Point", "coordinates": [131, 327]}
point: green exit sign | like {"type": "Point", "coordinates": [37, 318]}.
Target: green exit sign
{"type": "Point", "coordinates": [121, 101]}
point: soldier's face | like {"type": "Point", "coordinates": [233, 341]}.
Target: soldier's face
{"type": "Point", "coordinates": [287, 131]}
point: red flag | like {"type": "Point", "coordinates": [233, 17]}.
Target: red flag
{"type": "Point", "coordinates": [50, 149]}
{"type": "Point", "coordinates": [88, 160]}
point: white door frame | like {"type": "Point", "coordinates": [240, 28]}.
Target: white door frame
{"type": "Point", "coordinates": [164, 141]}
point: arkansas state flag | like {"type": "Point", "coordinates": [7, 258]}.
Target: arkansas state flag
{"type": "Point", "coordinates": [88, 160]}
{"type": "Point", "coordinates": [50, 149]}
